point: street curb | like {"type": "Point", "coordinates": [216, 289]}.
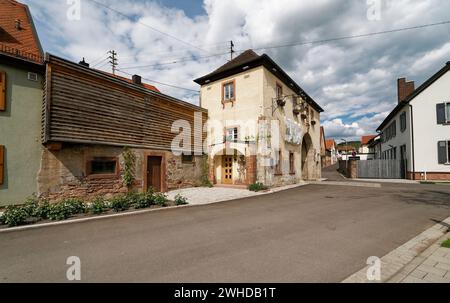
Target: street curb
{"type": "Point", "coordinates": [395, 261]}
{"type": "Point", "coordinates": [133, 213]}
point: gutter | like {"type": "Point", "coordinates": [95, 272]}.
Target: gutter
{"type": "Point", "coordinates": [412, 142]}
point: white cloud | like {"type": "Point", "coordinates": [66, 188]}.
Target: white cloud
{"type": "Point", "coordinates": [352, 79]}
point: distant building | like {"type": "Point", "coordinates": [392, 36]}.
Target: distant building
{"type": "Point", "coordinates": [417, 131]}
{"type": "Point", "coordinates": [331, 152]}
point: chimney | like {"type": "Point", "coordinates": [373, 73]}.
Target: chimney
{"type": "Point", "coordinates": [404, 89]}
{"type": "Point", "coordinates": [84, 63]}
{"type": "Point", "coordinates": [137, 79]}
{"type": "Point", "coordinates": [18, 24]}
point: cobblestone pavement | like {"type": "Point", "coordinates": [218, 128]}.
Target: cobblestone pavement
{"type": "Point", "coordinates": [432, 266]}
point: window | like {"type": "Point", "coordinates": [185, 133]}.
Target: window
{"type": "Point", "coordinates": [403, 121]}
{"type": "Point", "coordinates": [443, 113]}
{"type": "Point", "coordinates": [278, 165]}
{"type": "Point", "coordinates": [444, 152]}
{"type": "Point", "coordinates": [102, 166]}
{"type": "Point", "coordinates": [232, 134]}
{"type": "Point", "coordinates": [279, 91]}
{"type": "Point", "coordinates": [229, 91]}
{"type": "Point", "coordinates": [187, 159]}
{"type": "Point", "coordinates": [2, 164]}
{"type": "Point", "coordinates": [447, 112]}
{"type": "Point", "coordinates": [2, 91]}
{"type": "Point", "coordinates": [291, 163]}
{"type": "Point", "coordinates": [390, 132]}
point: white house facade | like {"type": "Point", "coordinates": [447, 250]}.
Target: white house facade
{"type": "Point", "coordinates": [417, 131]}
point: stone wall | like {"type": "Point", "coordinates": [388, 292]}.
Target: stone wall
{"type": "Point", "coordinates": [349, 168]}
{"type": "Point", "coordinates": [63, 173]}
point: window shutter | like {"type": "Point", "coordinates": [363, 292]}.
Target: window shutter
{"type": "Point", "coordinates": [440, 112]}
{"type": "Point", "coordinates": [2, 91]}
{"type": "Point", "coordinates": [2, 163]}
{"type": "Point", "coordinates": [442, 152]}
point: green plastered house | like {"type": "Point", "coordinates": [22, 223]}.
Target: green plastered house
{"type": "Point", "coordinates": [21, 91]}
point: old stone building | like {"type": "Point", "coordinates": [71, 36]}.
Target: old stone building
{"type": "Point", "coordinates": [263, 127]}
{"type": "Point", "coordinates": [94, 122]}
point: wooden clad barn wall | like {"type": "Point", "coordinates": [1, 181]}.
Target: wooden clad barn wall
{"type": "Point", "coordinates": [86, 108]}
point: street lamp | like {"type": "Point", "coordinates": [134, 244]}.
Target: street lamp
{"type": "Point", "coordinates": [346, 155]}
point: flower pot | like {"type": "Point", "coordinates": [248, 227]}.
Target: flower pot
{"type": "Point", "coordinates": [281, 102]}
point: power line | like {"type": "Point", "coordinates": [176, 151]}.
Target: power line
{"type": "Point", "coordinates": [97, 60]}
{"type": "Point", "coordinates": [161, 83]}
{"type": "Point", "coordinates": [354, 36]}
{"type": "Point", "coordinates": [146, 25]}
{"type": "Point", "coordinates": [180, 60]}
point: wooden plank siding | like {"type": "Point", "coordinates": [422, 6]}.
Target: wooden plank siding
{"type": "Point", "coordinates": [82, 105]}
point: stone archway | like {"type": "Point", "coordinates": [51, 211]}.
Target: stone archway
{"type": "Point", "coordinates": [307, 157]}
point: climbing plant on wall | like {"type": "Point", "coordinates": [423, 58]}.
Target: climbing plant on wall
{"type": "Point", "coordinates": [129, 160]}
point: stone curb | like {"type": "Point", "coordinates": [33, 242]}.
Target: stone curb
{"type": "Point", "coordinates": [137, 212]}
{"type": "Point", "coordinates": [395, 261]}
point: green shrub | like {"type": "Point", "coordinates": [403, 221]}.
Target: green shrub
{"type": "Point", "coordinates": [180, 200]}
{"type": "Point", "coordinates": [120, 203]}
{"type": "Point", "coordinates": [59, 211]}
{"type": "Point", "coordinates": [160, 199]}
{"type": "Point", "coordinates": [43, 210]}
{"type": "Point", "coordinates": [98, 206]}
{"type": "Point", "coordinates": [257, 187]}
{"type": "Point", "coordinates": [14, 216]}
{"type": "Point", "coordinates": [145, 200]}
{"type": "Point", "coordinates": [31, 206]}
{"type": "Point", "coordinates": [75, 206]}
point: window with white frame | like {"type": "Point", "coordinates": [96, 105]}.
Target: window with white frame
{"type": "Point", "coordinates": [447, 112]}
{"type": "Point", "coordinates": [228, 91]}
{"type": "Point", "coordinates": [232, 134]}
{"type": "Point", "coordinates": [403, 122]}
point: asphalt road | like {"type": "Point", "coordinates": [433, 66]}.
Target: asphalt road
{"type": "Point", "coordinates": [316, 233]}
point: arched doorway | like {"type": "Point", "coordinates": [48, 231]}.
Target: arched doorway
{"type": "Point", "coordinates": [307, 157]}
{"type": "Point", "coordinates": [229, 166]}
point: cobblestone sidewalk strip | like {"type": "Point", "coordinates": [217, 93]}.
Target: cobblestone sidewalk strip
{"type": "Point", "coordinates": [419, 260]}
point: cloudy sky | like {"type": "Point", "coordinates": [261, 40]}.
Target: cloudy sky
{"type": "Point", "coordinates": [354, 80]}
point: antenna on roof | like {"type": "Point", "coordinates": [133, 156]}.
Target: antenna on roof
{"type": "Point", "coordinates": [113, 60]}
{"type": "Point", "coordinates": [232, 51]}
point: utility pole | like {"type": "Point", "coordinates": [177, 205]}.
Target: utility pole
{"type": "Point", "coordinates": [231, 49]}
{"type": "Point", "coordinates": [113, 60]}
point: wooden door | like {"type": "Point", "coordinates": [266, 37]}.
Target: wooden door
{"type": "Point", "coordinates": [227, 169]}
{"type": "Point", "coordinates": [154, 173]}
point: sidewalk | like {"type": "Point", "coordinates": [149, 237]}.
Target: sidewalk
{"type": "Point", "coordinates": [419, 260]}
{"type": "Point", "coordinates": [432, 266]}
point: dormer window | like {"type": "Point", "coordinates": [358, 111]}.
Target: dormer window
{"type": "Point", "coordinates": [228, 92]}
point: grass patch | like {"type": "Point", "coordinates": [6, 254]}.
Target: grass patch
{"type": "Point", "coordinates": [446, 244]}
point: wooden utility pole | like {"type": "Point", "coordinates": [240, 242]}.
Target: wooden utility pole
{"type": "Point", "coordinates": [113, 60]}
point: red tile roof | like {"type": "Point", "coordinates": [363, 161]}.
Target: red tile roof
{"type": "Point", "coordinates": [147, 86]}
{"type": "Point", "coordinates": [365, 139]}
{"type": "Point", "coordinates": [329, 144]}
{"type": "Point", "coordinates": [23, 42]}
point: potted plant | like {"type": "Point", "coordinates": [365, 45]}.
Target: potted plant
{"type": "Point", "coordinates": [281, 102]}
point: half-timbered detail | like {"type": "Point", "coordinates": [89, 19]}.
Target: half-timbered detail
{"type": "Point", "coordinates": [90, 116]}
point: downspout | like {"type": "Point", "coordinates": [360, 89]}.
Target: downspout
{"type": "Point", "coordinates": [412, 142]}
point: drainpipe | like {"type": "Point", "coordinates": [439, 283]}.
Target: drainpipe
{"type": "Point", "coordinates": [412, 142]}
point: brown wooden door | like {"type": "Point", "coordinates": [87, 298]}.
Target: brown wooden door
{"type": "Point", "coordinates": [154, 173]}
{"type": "Point", "coordinates": [227, 169]}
